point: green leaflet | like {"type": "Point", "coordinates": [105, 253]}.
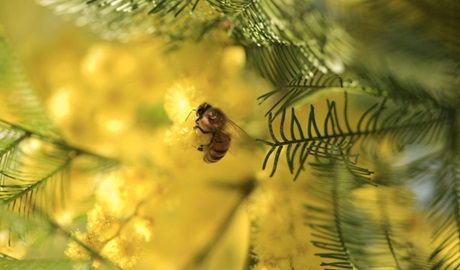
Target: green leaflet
{"type": "Point", "coordinates": [19, 99]}
{"type": "Point", "coordinates": [177, 21]}
{"type": "Point", "coordinates": [347, 233]}
{"type": "Point", "coordinates": [280, 47]}
{"type": "Point", "coordinates": [443, 211]}
{"type": "Point", "coordinates": [34, 171]}
{"type": "Point", "coordinates": [337, 138]}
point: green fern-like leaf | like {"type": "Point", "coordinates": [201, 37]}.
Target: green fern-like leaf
{"type": "Point", "coordinates": [337, 225]}
{"type": "Point", "coordinates": [399, 252]}
{"type": "Point", "coordinates": [272, 22]}
{"type": "Point", "coordinates": [251, 20]}
{"type": "Point", "coordinates": [444, 214]}
{"type": "Point", "coordinates": [292, 68]}
{"type": "Point", "coordinates": [20, 103]}
{"type": "Point", "coordinates": [337, 137]}
{"type": "Point", "coordinates": [349, 235]}
{"type": "Point", "coordinates": [32, 171]}
{"type": "Point", "coordinates": [300, 90]}
{"type": "Point", "coordinates": [177, 20]}
{"type": "Point", "coordinates": [293, 63]}
{"type": "Point", "coordinates": [407, 49]}
{"type": "Point", "coordinates": [169, 6]}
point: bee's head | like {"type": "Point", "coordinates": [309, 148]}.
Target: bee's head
{"type": "Point", "coordinates": [201, 109]}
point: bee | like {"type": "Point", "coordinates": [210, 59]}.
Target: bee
{"type": "Point", "coordinates": [210, 120]}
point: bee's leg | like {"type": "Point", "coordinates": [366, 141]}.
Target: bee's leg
{"type": "Point", "coordinates": [202, 130]}
{"type": "Point", "coordinates": [198, 120]}
{"type": "Point", "coordinates": [200, 148]}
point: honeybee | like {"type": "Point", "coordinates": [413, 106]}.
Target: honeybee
{"type": "Point", "coordinates": [210, 120]}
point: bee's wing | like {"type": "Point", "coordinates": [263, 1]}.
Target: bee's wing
{"type": "Point", "coordinates": [240, 139]}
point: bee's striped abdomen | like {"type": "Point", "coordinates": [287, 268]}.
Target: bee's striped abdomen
{"type": "Point", "coordinates": [220, 143]}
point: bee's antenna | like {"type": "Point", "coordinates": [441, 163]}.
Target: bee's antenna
{"type": "Point", "coordinates": [189, 114]}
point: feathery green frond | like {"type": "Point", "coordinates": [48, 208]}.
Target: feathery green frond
{"type": "Point", "coordinates": [390, 86]}
{"type": "Point", "coordinates": [444, 214]}
{"type": "Point", "coordinates": [357, 233]}
{"type": "Point", "coordinates": [33, 174]}
{"type": "Point", "coordinates": [34, 170]}
{"type": "Point", "coordinates": [20, 103]}
{"type": "Point", "coordinates": [350, 234]}
{"type": "Point", "coordinates": [336, 138]}
{"type": "Point", "coordinates": [275, 47]}
{"type": "Point", "coordinates": [276, 22]}
{"type": "Point", "coordinates": [112, 18]}
{"type": "Point", "coordinates": [291, 69]}
{"type": "Point", "coordinates": [278, 63]}
{"type": "Point", "coordinates": [177, 20]}
{"type": "Point", "coordinates": [173, 6]}
{"type": "Point", "coordinates": [271, 22]}
{"type": "Point", "coordinates": [408, 49]}
{"type": "Point", "coordinates": [337, 225]}
{"type": "Point", "coordinates": [398, 250]}
{"type": "Point", "coordinates": [251, 21]}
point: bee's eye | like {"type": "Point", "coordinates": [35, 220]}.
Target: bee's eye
{"type": "Point", "coordinates": [202, 108]}
{"type": "Point", "coordinates": [200, 111]}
